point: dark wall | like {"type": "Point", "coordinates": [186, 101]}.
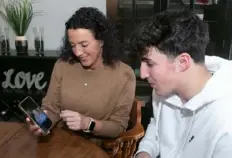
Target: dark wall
{"type": "Point", "coordinates": [219, 18]}
{"type": "Point", "coordinates": [22, 76]}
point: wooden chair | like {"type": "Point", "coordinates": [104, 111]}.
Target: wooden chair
{"type": "Point", "coordinates": [125, 145]}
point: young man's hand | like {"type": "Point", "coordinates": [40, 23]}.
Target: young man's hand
{"type": "Point", "coordinates": [143, 155]}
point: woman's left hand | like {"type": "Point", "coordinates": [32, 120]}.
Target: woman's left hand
{"type": "Point", "coordinates": [74, 120]}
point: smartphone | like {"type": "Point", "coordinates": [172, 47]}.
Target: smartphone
{"type": "Point", "coordinates": [31, 109]}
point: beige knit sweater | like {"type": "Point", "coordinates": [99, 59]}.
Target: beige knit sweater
{"type": "Point", "coordinates": [104, 94]}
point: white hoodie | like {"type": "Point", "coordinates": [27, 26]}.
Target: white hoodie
{"type": "Point", "coordinates": [202, 127]}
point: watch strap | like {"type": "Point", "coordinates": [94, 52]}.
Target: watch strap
{"type": "Point", "coordinates": [90, 126]}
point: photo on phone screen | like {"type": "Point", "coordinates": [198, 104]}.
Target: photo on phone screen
{"type": "Point", "coordinates": [35, 113]}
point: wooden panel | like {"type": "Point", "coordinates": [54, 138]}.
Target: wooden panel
{"type": "Point", "coordinates": [59, 144]}
{"type": "Point", "coordinates": [111, 9]}
{"type": "Point", "coordinates": [8, 131]}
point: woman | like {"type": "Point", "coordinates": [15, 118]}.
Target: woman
{"type": "Point", "coordinates": [90, 90]}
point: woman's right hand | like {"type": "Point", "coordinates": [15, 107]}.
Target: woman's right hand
{"type": "Point", "coordinates": [35, 129]}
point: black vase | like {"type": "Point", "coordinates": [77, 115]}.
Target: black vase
{"type": "Point", "coordinates": [21, 46]}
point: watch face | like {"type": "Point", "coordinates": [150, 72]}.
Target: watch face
{"type": "Point", "coordinates": [92, 125]}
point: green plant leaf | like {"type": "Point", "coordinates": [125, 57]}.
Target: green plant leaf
{"type": "Point", "coordinates": [18, 14]}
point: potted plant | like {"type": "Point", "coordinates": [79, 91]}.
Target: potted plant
{"type": "Point", "coordinates": [18, 14]}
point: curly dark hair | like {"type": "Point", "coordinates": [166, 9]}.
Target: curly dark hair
{"type": "Point", "coordinates": [172, 32]}
{"type": "Point", "coordinates": [102, 28]}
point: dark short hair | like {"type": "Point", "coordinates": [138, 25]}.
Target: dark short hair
{"type": "Point", "coordinates": [172, 32]}
{"type": "Point", "coordinates": [94, 20]}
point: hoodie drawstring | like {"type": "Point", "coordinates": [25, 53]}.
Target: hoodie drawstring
{"type": "Point", "coordinates": [189, 130]}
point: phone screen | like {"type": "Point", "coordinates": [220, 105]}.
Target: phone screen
{"type": "Point", "coordinates": [34, 112]}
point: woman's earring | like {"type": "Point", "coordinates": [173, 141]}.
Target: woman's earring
{"type": "Point", "coordinates": [102, 43]}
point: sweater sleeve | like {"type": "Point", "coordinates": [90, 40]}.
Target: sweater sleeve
{"type": "Point", "coordinates": [51, 102]}
{"type": "Point", "coordinates": [118, 121]}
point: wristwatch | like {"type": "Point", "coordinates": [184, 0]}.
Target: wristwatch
{"type": "Point", "coordinates": [91, 126]}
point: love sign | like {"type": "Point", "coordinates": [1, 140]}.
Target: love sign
{"type": "Point", "coordinates": [23, 79]}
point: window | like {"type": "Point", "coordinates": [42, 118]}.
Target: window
{"type": "Point", "coordinates": [128, 13]}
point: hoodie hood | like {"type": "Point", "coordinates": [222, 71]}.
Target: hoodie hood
{"type": "Point", "coordinates": [218, 86]}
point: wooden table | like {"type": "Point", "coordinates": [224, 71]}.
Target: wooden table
{"type": "Point", "coordinates": [17, 142]}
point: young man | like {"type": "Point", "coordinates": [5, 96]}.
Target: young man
{"type": "Point", "coordinates": [192, 99]}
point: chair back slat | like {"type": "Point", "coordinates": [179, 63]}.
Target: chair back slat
{"type": "Point", "coordinates": [125, 145]}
